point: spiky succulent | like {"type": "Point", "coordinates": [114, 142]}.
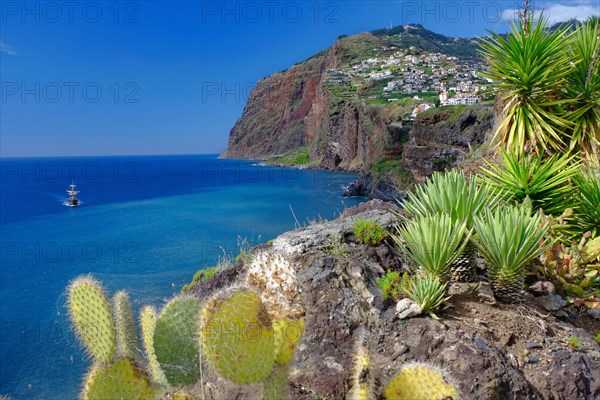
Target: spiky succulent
{"type": "Point", "coordinates": [529, 66]}
{"type": "Point", "coordinates": [125, 327]}
{"type": "Point", "coordinates": [427, 291]}
{"type": "Point", "coordinates": [588, 201]}
{"type": "Point", "coordinates": [434, 242]}
{"type": "Point", "coordinates": [121, 379]}
{"type": "Point", "coordinates": [452, 194]}
{"type": "Point", "coordinates": [176, 342]}
{"type": "Point", "coordinates": [237, 336]}
{"type": "Point", "coordinates": [148, 324]}
{"type": "Point", "coordinates": [92, 318]}
{"type": "Point", "coordinates": [509, 238]}
{"type": "Point", "coordinates": [420, 381]}
{"type": "Point", "coordinates": [545, 181]}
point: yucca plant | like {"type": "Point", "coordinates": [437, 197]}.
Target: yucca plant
{"type": "Point", "coordinates": [529, 67]}
{"type": "Point", "coordinates": [434, 242]}
{"type": "Point", "coordinates": [583, 86]}
{"type": "Point", "coordinates": [546, 182]}
{"type": "Point", "coordinates": [450, 193]}
{"type": "Point", "coordinates": [509, 238]}
{"type": "Point", "coordinates": [427, 291]}
{"type": "Point", "coordinates": [588, 201]}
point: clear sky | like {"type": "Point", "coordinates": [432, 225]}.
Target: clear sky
{"type": "Point", "coordinates": [151, 77]}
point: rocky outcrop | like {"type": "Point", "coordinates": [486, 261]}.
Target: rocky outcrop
{"type": "Point", "coordinates": [441, 139]}
{"type": "Point", "coordinates": [481, 346]}
{"type": "Point", "coordinates": [381, 189]}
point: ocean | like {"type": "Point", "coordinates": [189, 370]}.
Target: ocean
{"type": "Point", "coordinates": [146, 224]}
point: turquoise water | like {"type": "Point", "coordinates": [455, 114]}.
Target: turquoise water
{"type": "Point", "coordinates": [146, 225]}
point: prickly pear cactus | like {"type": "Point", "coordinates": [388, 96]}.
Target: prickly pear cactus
{"type": "Point", "coordinates": [125, 328]}
{"type": "Point", "coordinates": [418, 381]}
{"type": "Point", "coordinates": [92, 317]}
{"type": "Point", "coordinates": [121, 379]}
{"type": "Point", "coordinates": [176, 341]}
{"type": "Point", "coordinates": [237, 336]}
{"type": "Point", "coordinates": [287, 333]}
{"type": "Point", "coordinates": [148, 324]}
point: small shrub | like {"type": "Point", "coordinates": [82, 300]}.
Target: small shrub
{"type": "Point", "coordinates": [369, 231]}
{"type": "Point", "coordinates": [200, 276]}
{"type": "Point", "coordinates": [574, 342]}
{"type": "Point", "coordinates": [597, 336]}
{"type": "Point", "coordinates": [336, 247]}
{"type": "Point", "coordinates": [390, 284]}
{"type": "Point", "coordinates": [427, 291]}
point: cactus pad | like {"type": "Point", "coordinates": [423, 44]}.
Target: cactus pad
{"type": "Point", "coordinates": [125, 328]}
{"type": "Point", "coordinates": [287, 333]}
{"type": "Point", "coordinates": [418, 381]}
{"type": "Point", "coordinates": [148, 324]}
{"type": "Point", "coordinates": [121, 379]}
{"type": "Point", "coordinates": [176, 341]}
{"type": "Point", "coordinates": [92, 317]}
{"type": "Point", "coordinates": [237, 336]}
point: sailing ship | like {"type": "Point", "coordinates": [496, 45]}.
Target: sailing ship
{"type": "Point", "coordinates": [73, 200]}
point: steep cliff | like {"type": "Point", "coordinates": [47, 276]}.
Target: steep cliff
{"type": "Point", "coordinates": [294, 108]}
{"type": "Point", "coordinates": [341, 118]}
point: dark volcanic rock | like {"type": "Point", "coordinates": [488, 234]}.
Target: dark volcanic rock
{"type": "Point", "coordinates": [381, 189]}
{"type": "Point", "coordinates": [441, 140]}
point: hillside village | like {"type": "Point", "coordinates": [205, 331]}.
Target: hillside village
{"type": "Point", "coordinates": [390, 74]}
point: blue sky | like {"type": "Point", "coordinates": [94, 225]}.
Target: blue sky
{"type": "Point", "coordinates": [152, 77]}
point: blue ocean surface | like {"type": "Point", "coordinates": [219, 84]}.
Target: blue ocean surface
{"type": "Point", "coordinates": [146, 224]}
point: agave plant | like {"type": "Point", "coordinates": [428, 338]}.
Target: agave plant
{"type": "Point", "coordinates": [545, 182]}
{"type": "Point", "coordinates": [450, 193]}
{"type": "Point", "coordinates": [588, 201]}
{"type": "Point", "coordinates": [583, 86]}
{"type": "Point", "coordinates": [434, 242]}
{"type": "Point", "coordinates": [529, 68]}
{"type": "Point", "coordinates": [427, 291]}
{"type": "Point", "coordinates": [509, 238]}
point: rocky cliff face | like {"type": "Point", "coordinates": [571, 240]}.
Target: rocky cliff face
{"type": "Point", "coordinates": [441, 139]}
{"type": "Point", "coordinates": [291, 109]}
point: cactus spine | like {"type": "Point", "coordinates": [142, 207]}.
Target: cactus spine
{"type": "Point", "coordinates": [121, 379]}
{"type": "Point", "coordinates": [176, 341]}
{"type": "Point", "coordinates": [237, 336]}
{"type": "Point", "coordinates": [125, 327]}
{"type": "Point", "coordinates": [419, 381]}
{"type": "Point", "coordinates": [92, 318]}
